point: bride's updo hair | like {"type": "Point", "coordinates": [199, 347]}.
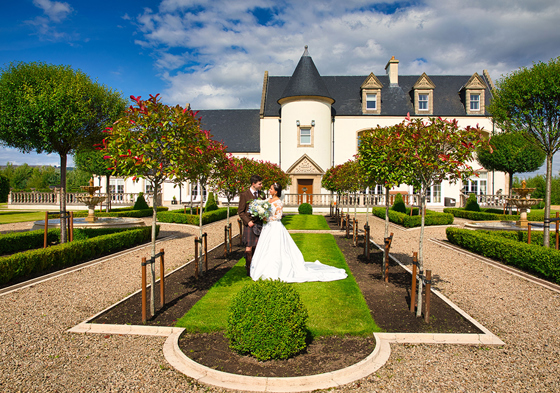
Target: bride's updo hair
{"type": "Point", "coordinates": [278, 189]}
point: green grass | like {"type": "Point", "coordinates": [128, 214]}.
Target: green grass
{"type": "Point", "coordinates": [335, 308]}
{"type": "Point", "coordinates": [305, 221]}
{"type": "Point", "coordinates": [11, 216]}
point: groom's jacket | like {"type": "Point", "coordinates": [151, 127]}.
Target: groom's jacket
{"type": "Point", "coordinates": [244, 200]}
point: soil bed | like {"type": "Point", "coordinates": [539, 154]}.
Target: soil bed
{"type": "Point", "coordinates": [389, 304]}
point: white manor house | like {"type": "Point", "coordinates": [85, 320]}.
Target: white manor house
{"type": "Point", "coordinates": [308, 123]}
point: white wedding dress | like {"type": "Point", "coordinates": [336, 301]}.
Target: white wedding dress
{"type": "Point", "coordinates": [278, 257]}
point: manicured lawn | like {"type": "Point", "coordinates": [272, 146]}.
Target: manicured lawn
{"type": "Point", "coordinates": [305, 221]}
{"type": "Point", "coordinates": [11, 216]}
{"type": "Point", "coordinates": [335, 307]}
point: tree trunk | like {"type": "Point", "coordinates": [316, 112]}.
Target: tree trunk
{"type": "Point", "coordinates": [546, 231]}
{"type": "Point", "coordinates": [200, 227]}
{"type": "Point", "coordinates": [153, 265]}
{"type": "Point", "coordinates": [108, 202]}
{"type": "Point", "coordinates": [386, 229]}
{"type": "Point", "coordinates": [63, 161]}
{"type": "Point", "coordinates": [421, 252]}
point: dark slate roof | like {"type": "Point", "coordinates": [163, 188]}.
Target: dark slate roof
{"type": "Point", "coordinates": [395, 100]}
{"type": "Point", "coordinates": [306, 80]}
{"type": "Point", "coordinates": [238, 129]}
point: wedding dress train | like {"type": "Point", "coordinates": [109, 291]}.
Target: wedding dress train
{"type": "Point", "coordinates": [278, 257]}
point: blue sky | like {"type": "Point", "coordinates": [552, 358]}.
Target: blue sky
{"type": "Point", "coordinates": [213, 54]}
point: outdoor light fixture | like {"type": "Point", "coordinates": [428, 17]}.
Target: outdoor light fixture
{"type": "Point", "coordinates": [297, 123]}
{"type": "Point", "coordinates": [313, 123]}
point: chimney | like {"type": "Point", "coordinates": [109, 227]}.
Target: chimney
{"type": "Point", "coordinates": [392, 69]}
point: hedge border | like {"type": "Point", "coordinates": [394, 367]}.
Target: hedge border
{"type": "Point", "coordinates": [431, 218]}
{"type": "Point", "coordinates": [68, 254]}
{"type": "Point", "coordinates": [544, 262]}
{"type": "Point", "coordinates": [179, 217]}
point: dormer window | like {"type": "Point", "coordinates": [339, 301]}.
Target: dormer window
{"type": "Point", "coordinates": [371, 101]}
{"type": "Point", "coordinates": [424, 96]}
{"type": "Point", "coordinates": [473, 92]}
{"type": "Point", "coordinates": [371, 95]}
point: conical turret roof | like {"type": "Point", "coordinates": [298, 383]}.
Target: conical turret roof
{"type": "Point", "coordinates": [306, 81]}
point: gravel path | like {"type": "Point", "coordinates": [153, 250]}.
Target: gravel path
{"type": "Point", "coordinates": [36, 353]}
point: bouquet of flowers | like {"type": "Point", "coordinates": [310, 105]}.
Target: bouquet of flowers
{"type": "Point", "coordinates": [260, 208]}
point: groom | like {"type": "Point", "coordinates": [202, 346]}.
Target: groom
{"type": "Point", "coordinates": [249, 237]}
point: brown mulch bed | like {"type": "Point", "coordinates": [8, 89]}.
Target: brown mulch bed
{"type": "Point", "coordinates": [389, 304]}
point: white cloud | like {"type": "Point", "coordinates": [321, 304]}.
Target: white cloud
{"type": "Point", "coordinates": [55, 10]}
{"type": "Point", "coordinates": [214, 54]}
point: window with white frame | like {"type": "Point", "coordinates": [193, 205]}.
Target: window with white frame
{"type": "Point", "coordinates": [371, 101]}
{"type": "Point", "coordinates": [305, 136]}
{"type": "Point", "coordinates": [423, 102]}
{"type": "Point", "coordinates": [475, 102]}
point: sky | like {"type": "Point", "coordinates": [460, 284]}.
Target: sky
{"type": "Point", "coordinates": [213, 54]}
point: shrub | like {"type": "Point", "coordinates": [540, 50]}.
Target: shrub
{"type": "Point", "coordinates": [267, 319]}
{"type": "Point", "coordinates": [480, 215]}
{"type": "Point", "coordinates": [140, 203]}
{"type": "Point", "coordinates": [211, 203]}
{"type": "Point", "coordinates": [472, 204]}
{"type": "Point", "coordinates": [4, 188]}
{"type": "Point", "coordinates": [68, 254]}
{"type": "Point", "coordinates": [305, 208]}
{"type": "Point", "coordinates": [398, 204]}
{"type": "Point", "coordinates": [542, 261]}
{"type": "Point", "coordinates": [431, 218]}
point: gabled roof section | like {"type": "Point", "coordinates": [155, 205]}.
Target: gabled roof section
{"type": "Point", "coordinates": [424, 82]}
{"type": "Point", "coordinates": [475, 82]}
{"type": "Point", "coordinates": [371, 82]}
{"type": "Point", "coordinates": [238, 129]}
{"type": "Point", "coordinates": [305, 166]}
{"type": "Point", "coordinates": [306, 81]}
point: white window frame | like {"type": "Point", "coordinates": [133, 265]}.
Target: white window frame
{"type": "Point", "coordinates": [371, 98]}
{"type": "Point", "coordinates": [423, 102]}
{"type": "Point", "coordinates": [474, 101]}
{"type": "Point", "coordinates": [305, 132]}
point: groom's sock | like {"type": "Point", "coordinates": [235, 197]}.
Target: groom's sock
{"type": "Point", "coordinates": [248, 259]}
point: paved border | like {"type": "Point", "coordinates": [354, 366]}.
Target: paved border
{"type": "Point", "coordinates": [367, 366]}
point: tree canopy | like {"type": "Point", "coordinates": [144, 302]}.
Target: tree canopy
{"type": "Point", "coordinates": [53, 109]}
{"type": "Point", "coordinates": [511, 153]}
{"type": "Point", "coordinates": [528, 101]}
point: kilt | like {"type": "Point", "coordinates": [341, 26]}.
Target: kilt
{"type": "Point", "coordinates": [249, 238]}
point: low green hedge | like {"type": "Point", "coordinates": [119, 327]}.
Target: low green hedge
{"type": "Point", "coordinates": [63, 255]}
{"type": "Point", "coordinates": [179, 217]}
{"type": "Point", "coordinates": [432, 218]}
{"type": "Point", "coordinates": [22, 241]}
{"type": "Point", "coordinates": [121, 212]}
{"type": "Point", "coordinates": [539, 260]}
{"type": "Point", "coordinates": [479, 216]}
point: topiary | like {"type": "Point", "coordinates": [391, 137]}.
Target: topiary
{"type": "Point", "coordinates": [140, 203]}
{"type": "Point", "coordinates": [472, 204]}
{"type": "Point", "coordinates": [267, 319]}
{"type": "Point", "coordinates": [211, 203]}
{"type": "Point", "coordinates": [305, 208]}
{"type": "Point", "coordinates": [398, 204]}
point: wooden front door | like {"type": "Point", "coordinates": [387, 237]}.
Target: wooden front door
{"type": "Point", "coordinates": [305, 186]}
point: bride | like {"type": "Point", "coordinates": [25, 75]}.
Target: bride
{"type": "Point", "coordinates": [278, 257]}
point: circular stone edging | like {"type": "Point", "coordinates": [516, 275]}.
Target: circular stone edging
{"type": "Point", "coordinates": [207, 375]}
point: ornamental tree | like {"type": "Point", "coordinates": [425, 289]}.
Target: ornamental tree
{"type": "Point", "coordinates": [528, 101]}
{"type": "Point", "coordinates": [156, 142]}
{"type": "Point", "coordinates": [270, 173]}
{"type": "Point", "coordinates": [382, 161]}
{"type": "Point", "coordinates": [511, 154]}
{"type": "Point", "coordinates": [228, 181]}
{"type": "Point", "coordinates": [435, 151]}
{"type": "Point", "coordinates": [54, 109]}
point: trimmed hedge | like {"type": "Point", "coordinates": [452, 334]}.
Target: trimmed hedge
{"type": "Point", "coordinates": [544, 262]}
{"type": "Point", "coordinates": [432, 218]}
{"type": "Point", "coordinates": [179, 217]}
{"type": "Point", "coordinates": [121, 212]}
{"type": "Point", "coordinates": [398, 204]}
{"type": "Point", "coordinates": [305, 208]}
{"type": "Point", "coordinates": [63, 255]}
{"type": "Point", "coordinates": [479, 216]}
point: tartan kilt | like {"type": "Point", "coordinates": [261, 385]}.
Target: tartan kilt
{"type": "Point", "coordinates": [249, 238]}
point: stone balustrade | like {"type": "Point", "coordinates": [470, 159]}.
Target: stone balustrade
{"type": "Point", "coordinates": [53, 198]}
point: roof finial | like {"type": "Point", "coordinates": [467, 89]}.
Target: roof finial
{"type": "Point", "coordinates": [305, 53]}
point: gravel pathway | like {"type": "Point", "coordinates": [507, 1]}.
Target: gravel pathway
{"type": "Point", "coordinates": [36, 353]}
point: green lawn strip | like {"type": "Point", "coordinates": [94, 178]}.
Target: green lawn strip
{"type": "Point", "coordinates": [11, 216]}
{"type": "Point", "coordinates": [305, 222]}
{"type": "Point", "coordinates": [335, 308]}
